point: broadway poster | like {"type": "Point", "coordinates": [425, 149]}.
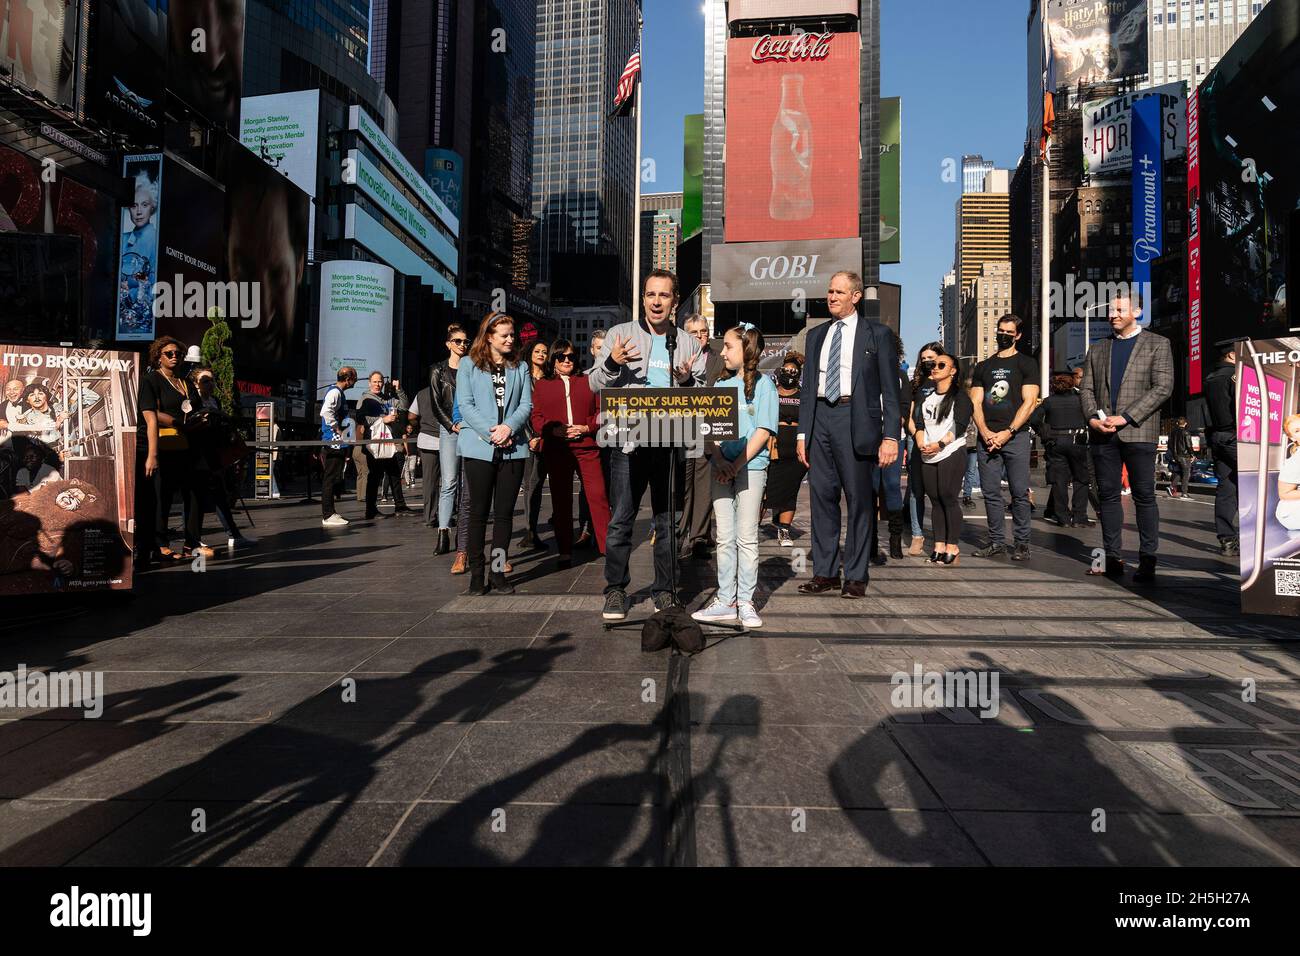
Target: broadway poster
{"type": "Point", "coordinates": [1268, 474]}
{"type": "Point", "coordinates": [67, 477]}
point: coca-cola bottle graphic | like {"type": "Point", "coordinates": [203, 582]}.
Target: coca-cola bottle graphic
{"type": "Point", "coordinates": [792, 154]}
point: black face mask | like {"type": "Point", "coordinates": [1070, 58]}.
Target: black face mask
{"type": "Point", "coordinates": [1006, 340]}
{"type": "Point", "coordinates": [787, 379]}
{"type": "Point", "coordinates": [926, 367]}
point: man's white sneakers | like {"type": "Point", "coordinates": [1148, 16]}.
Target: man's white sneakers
{"type": "Point", "coordinates": [335, 520]}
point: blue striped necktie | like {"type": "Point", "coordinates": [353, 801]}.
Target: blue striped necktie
{"type": "Point", "coordinates": [833, 364]}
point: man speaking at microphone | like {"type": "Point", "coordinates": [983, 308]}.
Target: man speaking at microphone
{"type": "Point", "coordinates": [850, 389]}
{"type": "Point", "coordinates": [635, 355]}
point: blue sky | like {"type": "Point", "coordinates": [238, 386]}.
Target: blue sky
{"type": "Point", "coordinates": [960, 69]}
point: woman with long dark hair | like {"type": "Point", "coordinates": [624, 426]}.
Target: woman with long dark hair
{"type": "Point", "coordinates": [786, 472]}
{"type": "Point", "coordinates": [938, 427]}
{"type": "Point", "coordinates": [565, 419]}
{"type": "Point", "coordinates": [534, 466]}
{"type": "Point", "coordinates": [494, 395]}
{"type": "Point", "coordinates": [165, 458]}
{"type": "Point", "coordinates": [921, 387]}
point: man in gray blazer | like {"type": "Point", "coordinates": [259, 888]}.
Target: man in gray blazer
{"type": "Point", "coordinates": [1126, 380]}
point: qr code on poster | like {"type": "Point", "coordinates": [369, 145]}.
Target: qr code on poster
{"type": "Point", "coordinates": [1286, 583]}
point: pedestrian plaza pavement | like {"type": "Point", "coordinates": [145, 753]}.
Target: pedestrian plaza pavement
{"type": "Point", "coordinates": [330, 697]}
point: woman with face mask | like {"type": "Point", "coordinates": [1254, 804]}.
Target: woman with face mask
{"type": "Point", "coordinates": [785, 473]}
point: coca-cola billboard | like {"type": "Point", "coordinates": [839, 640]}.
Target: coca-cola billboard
{"type": "Point", "coordinates": [792, 157]}
{"type": "Point", "coordinates": [738, 10]}
{"type": "Point", "coordinates": [792, 49]}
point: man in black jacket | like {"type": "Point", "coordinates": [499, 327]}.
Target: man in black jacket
{"type": "Point", "coordinates": [1220, 390]}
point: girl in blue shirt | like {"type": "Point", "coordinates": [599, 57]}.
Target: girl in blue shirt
{"type": "Point", "coordinates": [739, 475]}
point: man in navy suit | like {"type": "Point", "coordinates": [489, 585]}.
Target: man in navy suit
{"type": "Point", "coordinates": [850, 389]}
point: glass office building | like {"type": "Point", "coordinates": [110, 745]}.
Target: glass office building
{"type": "Point", "coordinates": [583, 161]}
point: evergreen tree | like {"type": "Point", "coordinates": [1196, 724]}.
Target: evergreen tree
{"type": "Point", "coordinates": [218, 357]}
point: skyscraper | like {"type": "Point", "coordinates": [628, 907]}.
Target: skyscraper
{"type": "Point", "coordinates": [294, 46]}
{"type": "Point", "coordinates": [583, 161]}
{"type": "Point", "coordinates": [983, 234]}
{"type": "Point", "coordinates": [1189, 36]}
{"type": "Point", "coordinates": [950, 314]}
{"type": "Point", "coordinates": [661, 230]}
{"type": "Point", "coordinates": [973, 170]}
{"type": "Point", "coordinates": [463, 74]}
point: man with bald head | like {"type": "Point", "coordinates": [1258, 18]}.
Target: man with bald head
{"type": "Point", "coordinates": [848, 424]}
{"type": "Point", "coordinates": [1127, 379]}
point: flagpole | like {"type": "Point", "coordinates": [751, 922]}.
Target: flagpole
{"type": "Point", "coordinates": [1045, 320]}
{"type": "Point", "coordinates": [636, 201]}
{"type": "Point", "coordinates": [1046, 348]}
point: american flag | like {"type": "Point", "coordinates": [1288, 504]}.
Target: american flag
{"type": "Point", "coordinates": [623, 98]}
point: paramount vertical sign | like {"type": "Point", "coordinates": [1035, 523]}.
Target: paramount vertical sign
{"type": "Point", "coordinates": [1148, 193]}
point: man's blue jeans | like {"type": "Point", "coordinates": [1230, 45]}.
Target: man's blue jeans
{"type": "Point", "coordinates": [1013, 459]}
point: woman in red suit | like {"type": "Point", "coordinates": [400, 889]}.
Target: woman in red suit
{"type": "Point", "coordinates": [565, 416]}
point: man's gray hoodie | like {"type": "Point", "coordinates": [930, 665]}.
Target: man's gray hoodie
{"type": "Point", "coordinates": [607, 373]}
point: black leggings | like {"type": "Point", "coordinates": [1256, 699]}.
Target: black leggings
{"type": "Point", "coordinates": [492, 489]}
{"type": "Point", "coordinates": [942, 483]}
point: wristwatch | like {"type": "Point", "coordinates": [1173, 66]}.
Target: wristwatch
{"type": "Point", "coordinates": [1012, 429]}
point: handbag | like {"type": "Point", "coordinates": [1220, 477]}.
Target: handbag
{"type": "Point", "coordinates": [382, 449]}
{"type": "Point", "coordinates": [172, 439]}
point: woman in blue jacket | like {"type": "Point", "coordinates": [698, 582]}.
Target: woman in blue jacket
{"type": "Point", "coordinates": [494, 393]}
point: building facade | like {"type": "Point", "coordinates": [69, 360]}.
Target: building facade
{"type": "Point", "coordinates": [950, 314]}
{"type": "Point", "coordinates": [989, 300]}
{"type": "Point", "coordinates": [583, 162]}
{"type": "Point", "coordinates": [1189, 37]}
{"type": "Point", "coordinates": [463, 76]}
{"type": "Point", "coordinates": [973, 170]}
{"type": "Point", "coordinates": [983, 235]}
{"type": "Point", "coordinates": [661, 230]}
{"type": "Point", "coordinates": [744, 269]}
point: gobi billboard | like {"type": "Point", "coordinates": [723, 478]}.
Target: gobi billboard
{"type": "Point", "coordinates": [792, 137]}
{"type": "Point", "coordinates": [745, 272]}
{"type": "Point", "coordinates": [1096, 41]}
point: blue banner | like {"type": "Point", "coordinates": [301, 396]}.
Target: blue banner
{"type": "Point", "coordinates": [1148, 196]}
{"type": "Point", "coordinates": [443, 168]}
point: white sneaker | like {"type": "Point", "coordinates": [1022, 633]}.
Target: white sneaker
{"type": "Point", "coordinates": [783, 536]}
{"type": "Point", "coordinates": [748, 615]}
{"type": "Point", "coordinates": [1126, 491]}
{"type": "Point", "coordinates": [335, 520]}
{"type": "Point", "coordinates": [716, 611]}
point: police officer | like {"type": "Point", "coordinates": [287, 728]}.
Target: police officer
{"type": "Point", "coordinates": [1220, 398]}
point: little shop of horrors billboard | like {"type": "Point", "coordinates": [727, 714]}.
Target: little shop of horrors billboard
{"type": "Point", "coordinates": [67, 475]}
{"type": "Point", "coordinates": [1268, 474]}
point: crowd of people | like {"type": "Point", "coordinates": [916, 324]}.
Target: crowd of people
{"type": "Point", "coordinates": [499, 417]}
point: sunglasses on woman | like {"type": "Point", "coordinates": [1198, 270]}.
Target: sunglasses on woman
{"type": "Point", "coordinates": [170, 353]}
{"type": "Point", "coordinates": [566, 357]}
{"type": "Point", "coordinates": [939, 366]}
{"type": "Point", "coordinates": [459, 341]}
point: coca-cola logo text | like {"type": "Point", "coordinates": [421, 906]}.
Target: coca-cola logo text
{"type": "Point", "coordinates": [803, 46]}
